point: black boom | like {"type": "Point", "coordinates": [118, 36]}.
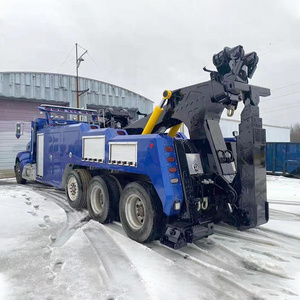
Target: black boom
{"type": "Point", "coordinates": [234, 176]}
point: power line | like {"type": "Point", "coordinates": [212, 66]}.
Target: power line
{"type": "Point", "coordinates": [281, 118]}
{"type": "Point", "coordinates": [280, 46]}
{"type": "Point", "coordinates": [81, 47]}
{"type": "Point", "coordinates": [98, 68]}
{"type": "Point", "coordinates": [283, 108]}
{"type": "Point", "coordinates": [61, 65]}
{"type": "Point", "coordinates": [282, 96]}
{"type": "Point", "coordinates": [283, 87]}
{"type": "Point", "coordinates": [65, 59]}
{"type": "Point", "coordinates": [286, 104]}
{"type": "Point", "coordinates": [58, 65]}
{"type": "Point", "coordinates": [266, 52]}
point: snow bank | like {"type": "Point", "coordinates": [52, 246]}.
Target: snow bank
{"type": "Point", "coordinates": [51, 251]}
{"type": "Point", "coordinates": [3, 287]}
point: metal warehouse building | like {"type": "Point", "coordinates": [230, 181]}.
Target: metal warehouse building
{"type": "Point", "coordinates": [273, 133]}
{"type": "Point", "coordinates": [22, 92]}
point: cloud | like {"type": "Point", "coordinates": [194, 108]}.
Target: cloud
{"type": "Point", "coordinates": [147, 46]}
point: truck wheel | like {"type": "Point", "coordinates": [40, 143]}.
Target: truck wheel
{"type": "Point", "coordinates": [76, 188]}
{"type": "Point", "coordinates": [102, 195]}
{"type": "Point", "coordinates": [85, 177]}
{"type": "Point", "coordinates": [141, 212]}
{"type": "Point", "coordinates": [18, 173]}
{"type": "Point", "coordinates": [115, 191]}
{"type": "Point", "coordinates": [117, 185]}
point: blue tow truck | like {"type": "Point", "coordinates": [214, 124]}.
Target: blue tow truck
{"type": "Point", "coordinates": [161, 185]}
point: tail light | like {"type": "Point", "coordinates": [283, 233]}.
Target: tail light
{"type": "Point", "coordinates": [120, 132]}
{"type": "Point", "coordinates": [173, 170]}
{"type": "Point", "coordinates": [169, 149]}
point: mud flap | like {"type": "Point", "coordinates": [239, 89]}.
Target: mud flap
{"type": "Point", "coordinates": [180, 234]}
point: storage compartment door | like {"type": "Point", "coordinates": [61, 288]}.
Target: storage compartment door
{"type": "Point", "coordinates": [40, 155]}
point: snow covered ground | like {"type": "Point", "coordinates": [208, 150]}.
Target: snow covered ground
{"type": "Point", "coordinates": [50, 251]}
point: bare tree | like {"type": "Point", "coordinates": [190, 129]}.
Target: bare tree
{"type": "Point", "coordinates": [295, 133]}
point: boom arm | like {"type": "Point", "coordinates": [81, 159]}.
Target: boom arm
{"type": "Point", "coordinates": [195, 104]}
{"type": "Point", "coordinates": [200, 107]}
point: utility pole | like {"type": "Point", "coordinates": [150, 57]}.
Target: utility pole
{"type": "Point", "coordinates": [78, 61]}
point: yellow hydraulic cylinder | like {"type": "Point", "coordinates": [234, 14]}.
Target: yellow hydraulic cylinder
{"type": "Point", "coordinates": [156, 113]}
{"type": "Point", "coordinates": [152, 120]}
{"type": "Point", "coordinates": [174, 130]}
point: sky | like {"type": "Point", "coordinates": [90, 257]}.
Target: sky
{"type": "Point", "coordinates": [150, 46]}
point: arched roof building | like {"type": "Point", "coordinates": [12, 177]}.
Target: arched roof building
{"type": "Point", "coordinates": [62, 88]}
{"type": "Point", "coordinates": [22, 92]}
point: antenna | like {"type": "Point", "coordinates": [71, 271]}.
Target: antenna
{"type": "Point", "coordinates": [78, 62]}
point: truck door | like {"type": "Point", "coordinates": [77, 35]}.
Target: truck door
{"type": "Point", "coordinates": [48, 158]}
{"type": "Point", "coordinates": [54, 159]}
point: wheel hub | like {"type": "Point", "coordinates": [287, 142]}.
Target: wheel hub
{"type": "Point", "coordinates": [140, 211]}
{"type": "Point", "coordinates": [97, 200]}
{"type": "Point", "coordinates": [72, 189]}
{"type": "Point", "coordinates": [135, 212]}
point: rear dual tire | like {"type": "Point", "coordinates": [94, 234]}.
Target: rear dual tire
{"type": "Point", "coordinates": [140, 209]}
{"type": "Point", "coordinates": [103, 198]}
{"type": "Point", "coordinates": [141, 212]}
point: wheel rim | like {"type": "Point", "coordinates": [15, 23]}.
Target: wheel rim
{"type": "Point", "coordinates": [135, 212]}
{"type": "Point", "coordinates": [97, 199]}
{"type": "Point", "coordinates": [73, 188]}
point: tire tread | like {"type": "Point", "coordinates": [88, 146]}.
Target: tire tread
{"type": "Point", "coordinates": [156, 208]}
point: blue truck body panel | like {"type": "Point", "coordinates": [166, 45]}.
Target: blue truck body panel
{"type": "Point", "coordinates": [24, 157]}
{"type": "Point", "coordinates": [283, 158]}
{"type": "Point", "coordinates": [59, 142]}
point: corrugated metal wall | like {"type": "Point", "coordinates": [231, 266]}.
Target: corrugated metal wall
{"type": "Point", "coordinates": [58, 87]}
{"type": "Point", "coordinates": [11, 112]}
{"type": "Point", "coordinates": [10, 145]}
{"type": "Point", "coordinates": [22, 92]}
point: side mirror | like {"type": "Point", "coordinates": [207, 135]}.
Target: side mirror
{"type": "Point", "coordinates": [18, 130]}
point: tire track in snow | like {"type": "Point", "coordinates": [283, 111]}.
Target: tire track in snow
{"type": "Point", "coordinates": [195, 258]}
{"type": "Point", "coordinates": [263, 259]}
{"type": "Point", "coordinates": [280, 236]}
{"type": "Point", "coordinates": [282, 202]}
{"type": "Point", "coordinates": [117, 271]}
{"type": "Point", "coordinates": [40, 186]}
{"type": "Point", "coordinates": [115, 268]}
{"type": "Point", "coordinates": [230, 283]}
{"type": "Point", "coordinates": [261, 262]}
{"type": "Point", "coordinates": [207, 272]}
{"type": "Point", "coordinates": [196, 269]}
{"type": "Point", "coordinates": [277, 214]}
{"type": "Point", "coordinates": [285, 244]}
{"type": "Point", "coordinates": [227, 231]}
{"type": "Point", "coordinates": [264, 238]}
{"type": "Point", "coordinates": [75, 219]}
